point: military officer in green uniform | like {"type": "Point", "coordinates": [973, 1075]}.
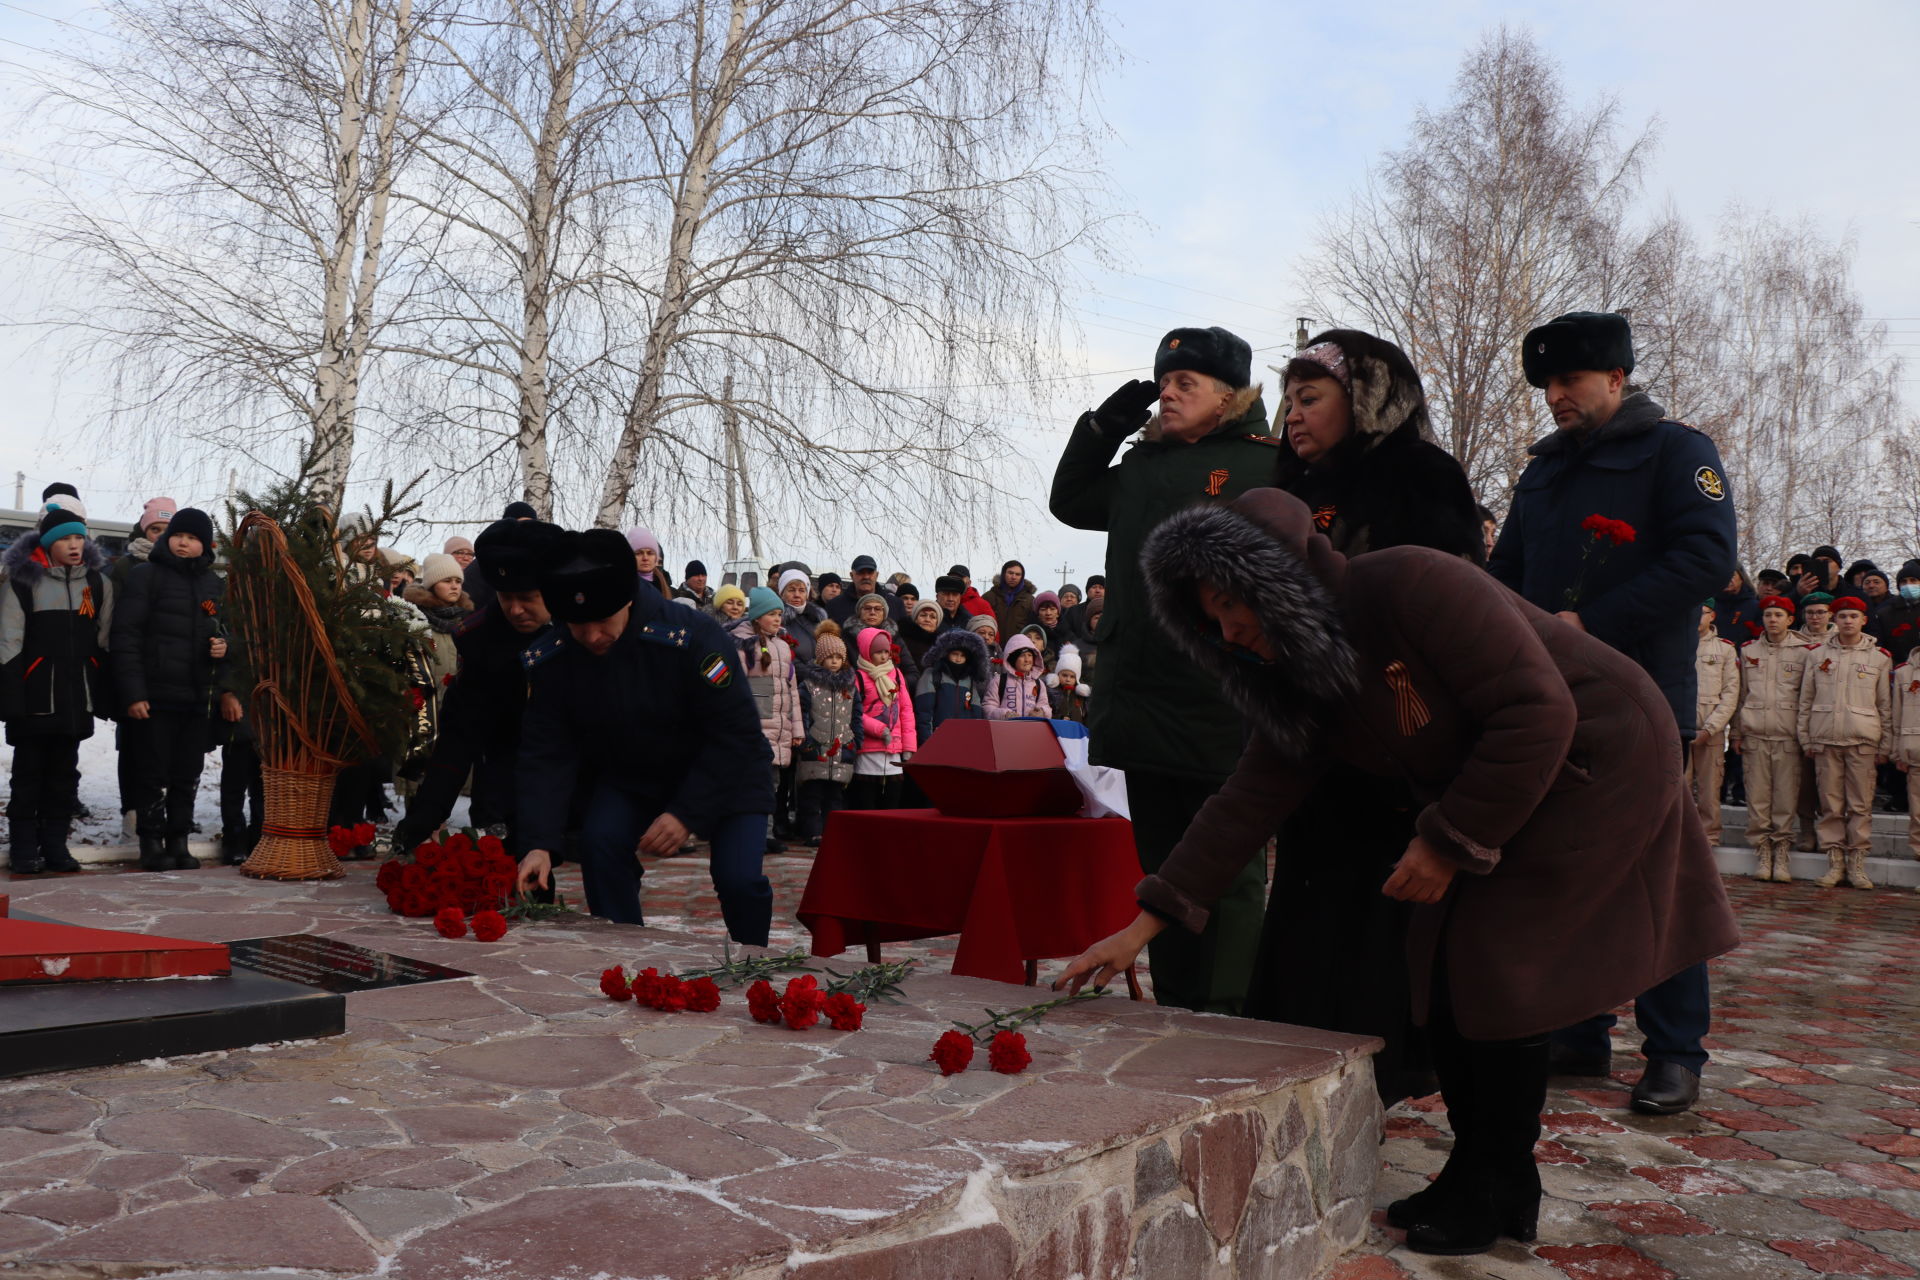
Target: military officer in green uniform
{"type": "Point", "coordinates": [1161, 719]}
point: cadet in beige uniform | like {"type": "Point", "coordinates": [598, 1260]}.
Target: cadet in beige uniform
{"type": "Point", "coordinates": [1846, 726]}
{"type": "Point", "coordinates": [1767, 735]}
{"type": "Point", "coordinates": [1906, 743]}
{"type": "Point", "coordinates": [1716, 667]}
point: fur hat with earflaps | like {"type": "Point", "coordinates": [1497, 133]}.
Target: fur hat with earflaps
{"type": "Point", "coordinates": [1263, 550]}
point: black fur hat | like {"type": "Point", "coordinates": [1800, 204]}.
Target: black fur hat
{"type": "Point", "coordinates": [588, 576]}
{"type": "Point", "coordinates": [1577, 340]}
{"type": "Point", "coordinates": [1214, 352]}
{"type": "Point", "coordinates": [510, 553]}
{"type": "Point", "coordinates": [1259, 550]}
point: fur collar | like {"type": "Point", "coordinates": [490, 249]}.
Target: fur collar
{"type": "Point", "coordinates": [946, 642]}
{"type": "Point", "coordinates": [1246, 415]}
{"type": "Point", "coordinates": [1259, 550]}
{"type": "Point", "coordinates": [21, 566]}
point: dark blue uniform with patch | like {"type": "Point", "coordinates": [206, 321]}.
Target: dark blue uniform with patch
{"type": "Point", "coordinates": [1643, 597]}
{"type": "Point", "coordinates": [664, 723]}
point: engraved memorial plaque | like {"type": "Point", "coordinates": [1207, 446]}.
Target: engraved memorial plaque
{"type": "Point", "coordinates": [332, 965]}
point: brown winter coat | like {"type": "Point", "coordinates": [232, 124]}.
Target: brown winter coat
{"type": "Point", "coordinates": [1548, 764]}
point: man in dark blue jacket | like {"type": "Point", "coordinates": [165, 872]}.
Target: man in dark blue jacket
{"type": "Point", "coordinates": [1616, 455]}
{"type": "Point", "coordinates": [648, 698]}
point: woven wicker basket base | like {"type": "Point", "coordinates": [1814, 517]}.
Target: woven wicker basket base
{"type": "Point", "coordinates": [293, 843]}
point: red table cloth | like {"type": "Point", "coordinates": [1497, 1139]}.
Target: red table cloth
{"type": "Point", "coordinates": [1014, 889]}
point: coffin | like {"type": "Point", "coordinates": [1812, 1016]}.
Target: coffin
{"type": "Point", "coordinates": [995, 769]}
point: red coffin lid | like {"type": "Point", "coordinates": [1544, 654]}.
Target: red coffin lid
{"type": "Point", "coordinates": [992, 746]}
{"type": "Point", "coordinates": [995, 769]}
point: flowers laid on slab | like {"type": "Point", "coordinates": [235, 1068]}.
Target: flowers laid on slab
{"type": "Point", "coordinates": [1006, 1045]}
{"type": "Point", "coordinates": [344, 840]}
{"type": "Point", "coordinates": [802, 1004]}
{"type": "Point", "coordinates": [464, 882]}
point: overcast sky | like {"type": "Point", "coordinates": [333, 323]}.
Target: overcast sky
{"type": "Point", "coordinates": [1234, 126]}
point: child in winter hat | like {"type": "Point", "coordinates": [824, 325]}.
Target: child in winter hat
{"type": "Point", "coordinates": [830, 709]}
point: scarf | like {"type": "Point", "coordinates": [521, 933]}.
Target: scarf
{"type": "Point", "coordinates": [883, 675]}
{"type": "Point", "coordinates": [755, 653]}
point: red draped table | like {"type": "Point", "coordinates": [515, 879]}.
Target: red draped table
{"type": "Point", "coordinates": [1016, 890]}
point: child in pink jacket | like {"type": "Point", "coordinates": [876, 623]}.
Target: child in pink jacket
{"type": "Point", "coordinates": [1023, 689]}
{"type": "Point", "coordinates": [887, 730]}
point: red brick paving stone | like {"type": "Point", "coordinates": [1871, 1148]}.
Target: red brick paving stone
{"type": "Point", "coordinates": [1547, 1151]}
{"type": "Point", "coordinates": [1410, 1127]}
{"type": "Point", "coordinates": [1581, 1122]}
{"type": "Point", "coordinates": [538, 1061]}
{"type": "Point", "coordinates": [1691, 1180]}
{"type": "Point", "coordinates": [1772, 1097]}
{"type": "Point", "coordinates": [1373, 1268]}
{"type": "Point", "coordinates": [1840, 1258]}
{"type": "Point", "coordinates": [1891, 1144]}
{"type": "Point", "coordinates": [251, 1231]}
{"type": "Point", "coordinates": [1792, 1075]}
{"type": "Point", "coordinates": [1650, 1218]}
{"type": "Point", "coordinates": [1862, 1213]}
{"type": "Point", "coordinates": [1611, 1098]}
{"type": "Point", "coordinates": [1723, 1148]}
{"type": "Point", "coordinates": [198, 1131]}
{"type": "Point", "coordinates": [1748, 1121]}
{"type": "Point", "coordinates": [1884, 1175]}
{"type": "Point", "coordinates": [1806, 1057]}
{"type": "Point", "coordinates": [1603, 1262]}
{"type": "Point", "coordinates": [1827, 1042]}
{"type": "Point", "coordinates": [1903, 1117]}
{"type": "Point", "coordinates": [1907, 1092]}
{"type": "Point", "coordinates": [1217, 1159]}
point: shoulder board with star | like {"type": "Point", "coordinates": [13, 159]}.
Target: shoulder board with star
{"type": "Point", "coordinates": [664, 631]}
{"type": "Point", "coordinates": [541, 650]}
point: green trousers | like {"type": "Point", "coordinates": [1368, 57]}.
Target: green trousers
{"type": "Point", "coordinates": [1207, 971]}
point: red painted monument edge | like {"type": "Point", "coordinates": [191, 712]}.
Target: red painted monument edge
{"type": "Point", "coordinates": [46, 951]}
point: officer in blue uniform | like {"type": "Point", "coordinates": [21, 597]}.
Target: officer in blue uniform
{"type": "Point", "coordinates": [1616, 454]}
{"type": "Point", "coordinates": [644, 704]}
{"type": "Point", "coordinates": [480, 716]}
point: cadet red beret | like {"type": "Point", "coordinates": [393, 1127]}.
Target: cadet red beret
{"type": "Point", "coordinates": [1776, 602]}
{"type": "Point", "coordinates": [1849, 602]}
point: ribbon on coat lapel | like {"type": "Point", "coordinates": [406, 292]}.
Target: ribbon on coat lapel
{"type": "Point", "coordinates": [1407, 703]}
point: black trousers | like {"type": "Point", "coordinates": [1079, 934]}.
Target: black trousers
{"type": "Point", "coordinates": [871, 791]}
{"type": "Point", "coordinates": [1208, 971]}
{"type": "Point", "coordinates": [45, 780]}
{"type": "Point", "coordinates": [783, 795]}
{"type": "Point", "coordinates": [240, 782]}
{"type": "Point", "coordinates": [818, 798]}
{"type": "Point", "coordinates": [169, 749]}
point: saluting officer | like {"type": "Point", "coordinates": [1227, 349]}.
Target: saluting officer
{"type": "Point", "coordinates": [1616, 454]}
{"type": "Point", "coordinates": [480, 717]}
{"type": "Point", "coordinates": [644, 703]}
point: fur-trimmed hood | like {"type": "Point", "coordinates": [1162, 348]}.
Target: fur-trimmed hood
{"type": "Point", "coordinates": [21, 565]}
{"type": "Point", "coordinates": [958, 638]}
{"type": "Point", "coordinates": [1388, 400]}
{"type": "Point", "coordinates": [1263, 550]}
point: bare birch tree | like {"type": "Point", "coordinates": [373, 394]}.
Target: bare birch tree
{"type": "Point", "coordinates": [236, 274]}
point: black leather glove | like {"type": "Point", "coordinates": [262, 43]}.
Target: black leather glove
{"type": "Point", "coordinates": [1126, 410]}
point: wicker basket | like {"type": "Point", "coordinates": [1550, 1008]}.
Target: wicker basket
{"type": "Point", "coordinates": [293, 841]}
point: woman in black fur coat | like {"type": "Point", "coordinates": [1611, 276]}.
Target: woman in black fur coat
{"type": "Point", "coordinates": [1356, 448]}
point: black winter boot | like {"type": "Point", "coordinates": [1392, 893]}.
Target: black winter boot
{"type": "Point", "coordinates": [53, 847]}
{"type": "Point", "coordinates": [234, 848]}
{"type": "Point", "coordinates": [177, 855]}
{"type": "Point", "coordinates": [179, 824]}
{"type": "Point", "coordinates": [23, 852]}
{"type": "Point", "coordinates": [151, 824]}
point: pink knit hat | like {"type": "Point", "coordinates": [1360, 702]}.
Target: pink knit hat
{"type": "Point", "coordinates": [157, 511]}
{"type": "Point", "coordinates": [643, 539]}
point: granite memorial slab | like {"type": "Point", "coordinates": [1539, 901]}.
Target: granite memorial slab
{"type": "Point", "coordinates": [332, 965]}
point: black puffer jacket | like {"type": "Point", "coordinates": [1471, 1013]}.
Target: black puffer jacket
{"type": "Point", "coordinates": [1387, 484]}
{"type": "Point", "coordinates": [163, 627]}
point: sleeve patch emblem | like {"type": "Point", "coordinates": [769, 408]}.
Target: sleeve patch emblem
{"type": "Point", "coordinates": [715, 671]}
{"type": "Point", "coordinates": [1709, 483]}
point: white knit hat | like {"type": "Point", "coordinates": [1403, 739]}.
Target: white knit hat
{"type": "Point", "coordinates": [439, 567]}
{"type": "Point", "coordinates": [793, 575]}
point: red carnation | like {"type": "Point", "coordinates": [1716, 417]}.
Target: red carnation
{"type": "Point", "coordinates": [414, 904]}
{"type": "Point", "coordinates": [340, 840]}
{"type": "Point", "coordinates": [451, 922]}
{"type": "Point", "coordinates": [491, 846]}
{"type": "Point", "coordinates": [844, 1013]}
{"type": "Point", "coordinates": [613, 984]}
{"type": "Point", "coordinates": [703, 995]}
{"type": "Point", "coordinates": [762, 1003]}
{"type": "Point", "coordinates": [670, 994]}
{"type": "Point", "coordinates": [429, 854]}
{"type": "Point", "coordinates": [1008, 1053]}
{"type": "Point", "coordinates": [800, 1005]}
{"type": "Point", "coordinates": [1754, 627]}
{"type": "Point", "coordinates": [387, 879]}
{"type": "Point", "coordinates": [646, 986]}
{"type": "Point", "coordinates": [1614, 531]}
{"type": "Point", "coordinates": [489, 926]}
{"type": "Point", "coordinates": [363, 833]}
{"type": "Point", "coordinates": [953, 1051]}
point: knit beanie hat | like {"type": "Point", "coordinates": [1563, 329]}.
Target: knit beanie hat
{"type": "Point", "coordinates": [157, 511]}
{"type": "Point", "coordinates": [983, 623]}
{"type": "Point", "coordinates": [827, 642]}
{"type": "Point", "coordinates": [695, 569]}
{"type": "Point", "coordinates": [57, 488]}
{"type": "Point", "coordinates": [761, 602]}
{"type": "Point", "coordinates": [395, 560]}
{"type": "Point", "coordinates": [62, 521]}
{"type": "Point", "coordinates": [643, 540]}
{"type": "Point", "coordinates": [830, 577]}
{"type": "Point", "coordinates": [1069, 660]}
{"type": "Point", "coordinates": [457, 543]}
{"type": "Point", "coordinates": [519, 511]}
{"type": "Point", "coordinates": [1096, 580]}
{"type": "Point", "coordinates": [876, 598]}
{"type": "Point", "coordinates": [194, 521]}
{"type": "Point", "coordinates": [439, 567]}
{"type": "Point", "coordinates": [1046, 597]}
{"type": "Point", "coordinates": [790, 577]}
{"type": "Point", "coordinates": [928, 606]}
{"type": "Point", "coordinates": [726, 593]}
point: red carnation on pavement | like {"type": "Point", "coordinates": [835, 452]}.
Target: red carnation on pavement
{"type": "Point", "coordinates": [340, 840]}
{"type": "Point", "coordinates": [800, 1005]}
{"type": "Point", "coordinates": [844, 1013]}
{"type": "Point", "coordinates": [703, 995]}
{"type": "Point", "coordinates": [613, 983]}
{"type": "Point", "coordinates": [387, 879]}
{"type": "Point", "coordinates": [364, 832]}
{"type": "Point", "coordinates": [762, 1003]}
{"type": "Point", "coordinates": [451, 922]}
{"type": "Point", "coordinates": [669, 994]}
{"type": "Point", "coordinates": [953, 1051]}
{"type": "Point", "coordinates": [646, 986]}
{"type": "Point", "coordinates": [1008, 1053]}
{"type": "Point", "coordinates": [415, 904]}
{"type": "Point", "coordinates": [489, 926]}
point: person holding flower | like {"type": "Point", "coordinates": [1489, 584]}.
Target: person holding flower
{"type": "Point", "coordinates": [1616, 455]}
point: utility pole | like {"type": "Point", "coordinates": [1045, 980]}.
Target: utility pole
{"type": "Point", "coordinates": [1066, 574]}
{"type": "Point", "coordinates": [19, 491]}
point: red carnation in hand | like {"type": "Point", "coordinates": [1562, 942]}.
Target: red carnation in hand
{"type": "Point", "coordinates": [1008, 1054]}
{"type": "Point", "coordinates": [489, 926]}
{"type": "Point", "coordinates": [703, 995]}
{"type": "Point", "coordinates": [762, 1003]}
{"type": "Point", "coordinates": [953, 1051]}
{"type": "Point", "coordinates": [800, 1005]}
{"type": "Point", "coordinates": [1615, 531]}
{"type": "Point", "coordinates": [844, 1013]}
{"type": "Point", "coordinates": [613, 983]}
{"type": "Point", "coordinates": [451, 922]}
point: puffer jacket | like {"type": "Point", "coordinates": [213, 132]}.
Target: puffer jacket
{"type": "Point", "coordinates": [1022, 697]}
{"type": "Point", "coordinates": [163, 627]}
{"type": "Point", "coordinates": [53, 675]}
{"type": "Point", "coordinates": [1846, 699]}
{"type": "Point", "coordinates": [885, 726]}
{"type": "Point", "coordinates": [948, 691]}
{"type": "Point", "coordinates": [1718, 697]}
{"type": "Point", "coordinates": [1770, 676]}
{"type": "Point", "coordinates": [827, 707]}
{"type": "Point", "coordinates": [768, 662]}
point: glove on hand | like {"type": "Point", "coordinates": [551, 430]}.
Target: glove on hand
{"type": "Point", "coordinates": [1126, 410]}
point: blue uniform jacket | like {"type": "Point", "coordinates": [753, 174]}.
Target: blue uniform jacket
{"type": "Point", "coordinates": [666, 715]}
{"type": "Point", "coordinates": [1665, 479]}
